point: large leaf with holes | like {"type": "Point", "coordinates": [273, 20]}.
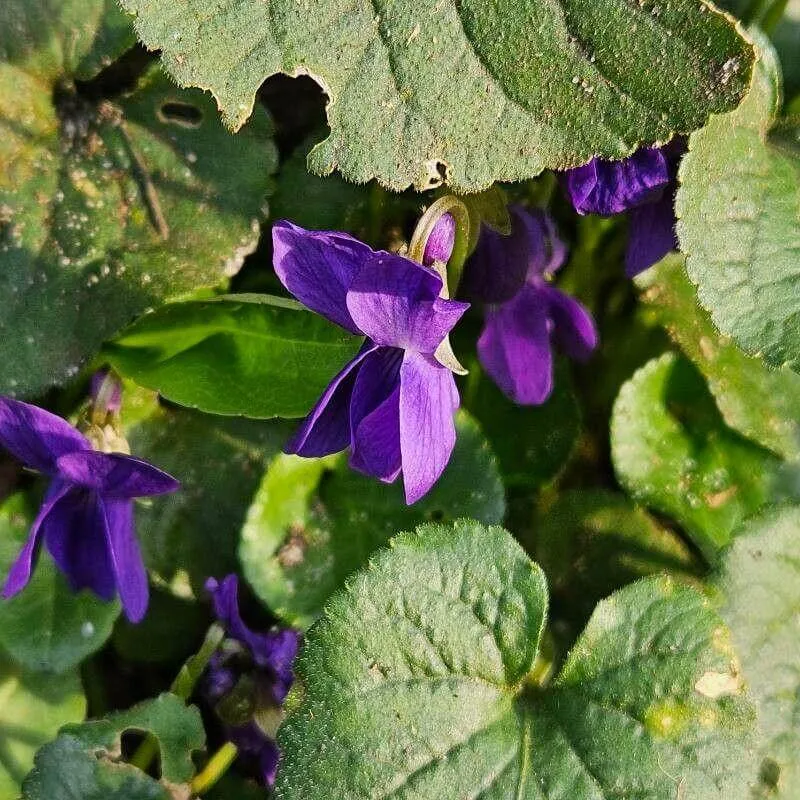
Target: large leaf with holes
{"type": "Point", "coordinates": [47, 626]}
{"type": "Point", "coordinates": [85, 760]}
{"type": "Point", "coordinates": [247, 355]}
{"type": "Point", "coordinates": [738, 209]}
{"type": "Point", "coordinates": [673, 452]}
{"type": "Point", "coordinates": [33, 706]}
{"type": "Point", "coordinates": [418, 684]}
{"type": "Point", "coordinates": [760, 585]}
{"type": "Point", "coordinates": [194, 533]}
{"type": "Point", "coordinates": [470, 92]}
{"type": "Point", "coordinates": [106, 208]}
{"type": "Point", "coordinates": [734, 378]}
{"type": "Point", "coordinates": [313, 522]}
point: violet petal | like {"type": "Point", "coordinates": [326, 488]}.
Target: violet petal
{"type": "Point", "coordinates": [611, 187]}
{"type": "Point", "coordinates": [317, 267]}
{"type": "Point", "coordinates": [126, 558]}
{"type": "Point", "coordinates": [396, 303]}
{"type": "Point", "coordinates": [326, 429]}
{"type": "Point", "coordinates": [428, 400]}
{"type": "Point", "coordinates": [35, 436]}
{"type": "Point", "coordinates": [21, 569]}
{"type": "Point", "coordinates": [115, 474]}
{"type": "Point", "coordinates": [514, 347]}
{"type": "Point", "coordinates": [651, 234]}
{"type": "Point", "coordinates": [573, 330]}
{"type": "Point", "coordinates": [374, 415]}
{"type": "Point", "coordinates": [75, 535]}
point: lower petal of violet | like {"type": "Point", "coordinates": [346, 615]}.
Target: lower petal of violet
{"type": "Point", "coordinates": [326, 429]}
{"type": "Point", "coordinates": [573, 329]}
{"type": "Point", "coordinates": [428, 401]}
{"type": "Point", "coordinates": [21, 569]}
{"type": "Point", "coordinates": [126, 558]}
{"type": "Point", "coordinates": [75, 534]}
{"type": "Point", "coordinates": [374, 415]}
{"type": "Point", "coordinates": [514, 347]}
{"type": "Point", "coordinates": [651, 234]}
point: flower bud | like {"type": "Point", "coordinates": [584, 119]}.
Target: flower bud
{"type": "Point", "coordinates": [439, 246]}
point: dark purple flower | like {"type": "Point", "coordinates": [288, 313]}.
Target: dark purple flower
{"type": "Point", "coordinates": [268, 660]}
{"type": "Point", "coordinates": [642, 185]}
{"type": "Point", "coordinates": [526, 315]}
{"type": "Point", "coordinates": [86, 519]}
{"type": "Point", "coordinates": [393, 404]}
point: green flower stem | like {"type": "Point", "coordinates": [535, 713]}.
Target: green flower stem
{"type": "Point", "coordinates": [216, 767]}
{"type": "Point", "coordinates": [182, 686]}
{"type": "Point", "coordinates": [416, 250]}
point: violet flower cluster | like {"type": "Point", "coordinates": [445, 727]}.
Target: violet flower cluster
{"type": "Point", "coordinates": [86, 518]}
{"type": "Point", "coordinates": [526, 316]}
{"type": "Point", "coordinates": [266, 661]}
{"type": "Point", "coordinates": [644, 187]}
{"type": "Point", "coordinates": [393, 404]}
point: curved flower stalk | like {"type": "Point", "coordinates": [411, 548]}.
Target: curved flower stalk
{"type": "Point", "coordinates": [526, 315]}
{"type": "Point", "coordinates": [86, 518]}
{"type": "Point", "coordinates": [393, 404]}
{"type": "Point", "coordinates": [642, 185]}
{"type": "Point", "coordinates": [256, 664]}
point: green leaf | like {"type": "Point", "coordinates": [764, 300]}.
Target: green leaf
{"type": "Point", "coordinates": [738, 207]}
{"type": "Point", "coordinates": [417, 684]}
{"type": "Point", "coordinates": [673, 452]}
{"type": "Point", "coordinates": [47, 626]}
{"type": "Point", "coordinates": [760, 584]}
{"type": "Point", "coordinates": [314, 522]}
{"type": "Point", "coordinates": [247, 355]}
{"type": "Point", "coordinates": [734, 378]}
{"type": "Point", "coordinates": [193, 534]}
{"type": "Point", "coordinates": [107, 210]}
{"type": "Point", "coordinates": [593, 541]}
{"type": "Point", "coordinates": [50, 38]}
{"type": "Point", "coordinates": [84, 761]}
{"type": "Point", "coordinates": [468, 92]}
{"type": "Point", "coordinates": [532, 444]}
{"type": "Point", "coordinates": [33, 706]}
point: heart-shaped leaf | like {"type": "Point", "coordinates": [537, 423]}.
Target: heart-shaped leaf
{"type": "Point", "coordinates": [738, 208]}
{"type": "Point", "coordinates": [734, 378]}
{"type": "Point", "coordinates": [418, 683]}
{"type": "Point", "coordinates": [673, 452]}
{"type": "Point", "coordinates": [469, 92]}
{"type": "Point", "coordinates": [760, 584]}
{"type": "Point", "coordinates": [314, 522]}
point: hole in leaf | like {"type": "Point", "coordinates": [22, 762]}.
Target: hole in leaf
{"type": "Point", "coordinates": [174, 112]}
{"type": "Point", "coordinates": [130, 742]}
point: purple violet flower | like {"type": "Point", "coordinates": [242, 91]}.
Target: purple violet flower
{"type": "Point", "coordinates": [642, 185]}
{"type": "Point", "coordinates": [86, 519]}
{"type": "Point", "coordinates": [270, 656]}
{"type": "Point", "coordinates": [525, 315]}
{"type": "Point", "coordinates": [393, 404]}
